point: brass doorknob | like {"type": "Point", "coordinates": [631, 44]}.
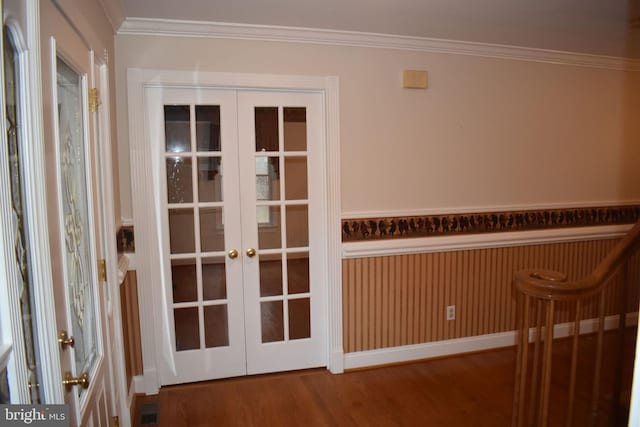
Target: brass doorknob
{"type": "Point", "coordinates": [233, 254]}
{"type": "Point", "coordinates": [251, 252]}
{"type": "Point", "coordinates": [69, 381]}
{"type": "Point", "coordinates": [65, 340]}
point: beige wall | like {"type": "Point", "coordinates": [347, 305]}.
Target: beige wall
{"type": "Point", "coordinates": [487, 132]}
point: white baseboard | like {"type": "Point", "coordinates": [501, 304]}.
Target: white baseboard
{"type": "Point", "coordinates": [409, 353]}
{"type": "Point", "coordinates": [146, 383]}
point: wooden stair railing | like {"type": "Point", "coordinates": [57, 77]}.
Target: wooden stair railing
{"type": "Point", "coordinates": [538, 291]}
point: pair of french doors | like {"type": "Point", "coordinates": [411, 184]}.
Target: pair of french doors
{"type": "Point", "coordinates": [238, 187]}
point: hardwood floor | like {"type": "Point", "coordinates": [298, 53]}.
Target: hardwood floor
{"type": "Point", "coordinates": [468, 390]}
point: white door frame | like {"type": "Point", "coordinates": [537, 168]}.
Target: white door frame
{"type": "Point", "coordinates": [149, 266]}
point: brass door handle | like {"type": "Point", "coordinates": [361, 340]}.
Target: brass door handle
{"type": "Point", "coordinates": [69, 381]}
{"type": "Point", "coordinates": [65, 340]}
{"type": "Point", "coordinates": [251, 252]}
{"type": "Point", "coordinates": [233, 254]}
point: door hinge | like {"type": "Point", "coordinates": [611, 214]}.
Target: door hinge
{"type": "Point", "coordinates": [115, 421]}
{"type": "Point", "coordinates": [93, 100]}
{"type": "Point", "coordinates": [102, 270]}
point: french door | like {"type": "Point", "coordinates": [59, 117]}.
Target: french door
{"type": "Point", "coordinates": [238, 190]}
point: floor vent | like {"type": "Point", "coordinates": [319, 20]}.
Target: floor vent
{"type": "Point", "coordinates": [149, 414]}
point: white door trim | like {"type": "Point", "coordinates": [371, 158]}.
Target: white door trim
{"type": "Point", "coordinates": [150, 265]}
{"type": "Point", "coordinates": [119, 386]}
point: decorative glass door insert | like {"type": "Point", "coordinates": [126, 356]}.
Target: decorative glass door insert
{"type": "Point", "coordinates": [77, 223]}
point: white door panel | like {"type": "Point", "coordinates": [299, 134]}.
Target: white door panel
{"type": "Point", "coordinates": [197, 197]}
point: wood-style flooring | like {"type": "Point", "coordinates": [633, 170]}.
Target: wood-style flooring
{"type": "Point", "coordinates": [467, 390]}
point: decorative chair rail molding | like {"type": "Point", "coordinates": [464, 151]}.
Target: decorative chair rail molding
{"type": "Point", "coordinates": [455, 224]}
{"type": "Point", "coordinates": [178, 28]}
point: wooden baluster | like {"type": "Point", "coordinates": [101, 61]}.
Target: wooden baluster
{"type": "Point", "coordinates": [596, 376]}
{"type": "Point", "coordinates": [617, 377]}
{"type": "Point", "coordinates": [516, 386]}
{"type": "Point", "coordinates": [535, 376]}
{"type": "Point", "coordinates": [546, 367]}
{"type": "Point", "coordinates": [521, 365]}
{"type": "Point", "coordinates": [574, 365]}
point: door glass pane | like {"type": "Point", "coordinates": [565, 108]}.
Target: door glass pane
{"type": "Point", "coordinates": [214, 278]}
{"type": "Point", "coordinates": [211, 230]}
{"type": "Point", "coordinates": [266, 126]}
{"type": "Point", "coordinates": [298, 273]}
{"type": "Point", "coordinates": [216, 326]}
{"type": "Point", "coordinates": [297, 226]}
{"type": "Point", "coordinates": [270, 275]}
{"type": "Point", "coordinates": [179, 181]}
{"type": "Point", "coordinates": [295, 172]}
{"type": "Point", "coordinates": [267, 178]}
{"type": "Point", "coordinates": [181, 232]}
{"type": "Point", "coordinates": [177, 131]}
{"type": "Point", "coordinates": [15, 144]}
{"type": "Point", "coordinates": [208, 127]}
{"type": "Point", "coordinates": [269, 233]}
{"type": "Point", "coordinates": [272, 321]}
{"type": "Point", "coordinates": [184, 280]}
{"type": "Point", "coordinates": [295, 129]}
{"type": "Point", "coordinates": [187, 329]}
{"type": "Point", "coordinates": [209, 179]}
{"type": "Point", "coordinates": [299, 318]}
{"type": "Point", "coordinates": [78, 266]}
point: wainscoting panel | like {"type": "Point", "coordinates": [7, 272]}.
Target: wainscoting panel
{"type": "Point", "coordinates": [401, 300]}
{"type": "Point", "coordinates": [131, 325]}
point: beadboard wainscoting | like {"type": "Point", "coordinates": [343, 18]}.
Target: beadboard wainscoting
{"type": "Point", "coordinates": [394, 307]}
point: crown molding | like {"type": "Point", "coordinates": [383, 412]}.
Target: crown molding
{"type": "Point", "coordinates": [114, 11]}
{"type": "Point", "coordinates": [219, 30]}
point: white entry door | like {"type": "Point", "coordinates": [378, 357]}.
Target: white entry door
{"type": "Point", "coordinates": [238, 190]}
{"type": "Point", "coordinates": [69, 137]}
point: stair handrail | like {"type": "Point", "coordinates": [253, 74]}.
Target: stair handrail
{"type": "Point", "coordinates": [553, 285]}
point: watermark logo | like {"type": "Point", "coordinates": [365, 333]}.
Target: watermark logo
{"type": "Point", "coordinates": [34, 415]}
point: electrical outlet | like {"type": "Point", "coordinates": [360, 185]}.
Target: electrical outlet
{"type": "Point", "coordinates": [451, 312]}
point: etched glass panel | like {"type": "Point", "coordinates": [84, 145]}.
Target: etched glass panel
{"type": "Point", "coordinates": [22, 262]}
{"type": "Point", "coordinates": [79, 268]}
